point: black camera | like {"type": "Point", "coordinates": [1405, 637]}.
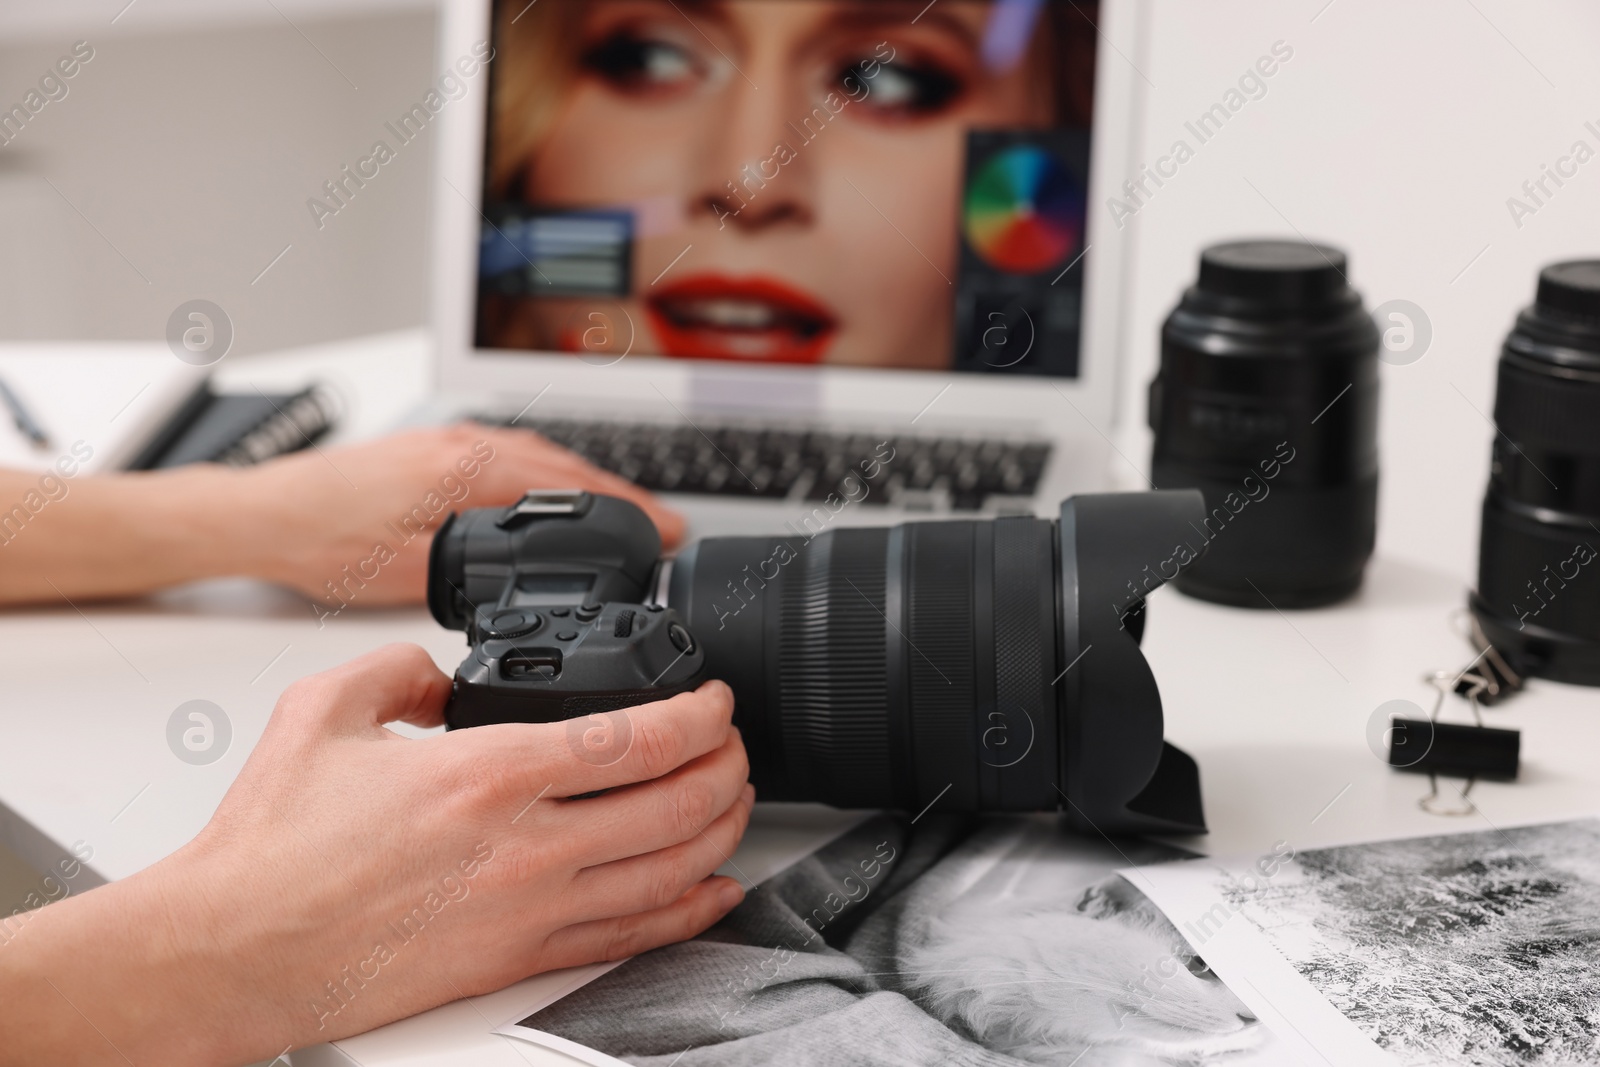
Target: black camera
{"type": "Point", "coordinates": [549, 591]}
{"type": "Point", "coordinates": [983, 665]}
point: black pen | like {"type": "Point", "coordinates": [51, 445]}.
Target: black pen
{"type": "Point", "coordinates": [24, 419]}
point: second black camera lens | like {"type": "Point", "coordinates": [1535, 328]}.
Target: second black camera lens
{"type": "Point", "coordinates": [1267, 402]}
{"type": "Point", "coordinates": [1538, 597]}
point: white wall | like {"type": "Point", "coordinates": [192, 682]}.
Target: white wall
{"type": "Point", "coordinates": [1397, 131]}
{"type": "Point", "coordinates": [179, 164]}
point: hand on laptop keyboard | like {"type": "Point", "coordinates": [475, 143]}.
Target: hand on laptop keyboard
{"type": "Point", "coordinates": [347, 526]}
{"type": "Point", "coordinates": [397, 490]}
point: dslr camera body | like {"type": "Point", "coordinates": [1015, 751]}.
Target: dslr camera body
{"type": "Point", "coordinates": [967, 665]}
{"type": "Point", "coordinates": [555, 612]}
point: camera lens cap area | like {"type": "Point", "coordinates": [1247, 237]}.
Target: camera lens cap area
{"type": "Point", "coordinates": [1283, 274]}
{"type": "Point", "coordinates": [1572, 287]}
{"type": "Point", "coordinates": [511, 623]}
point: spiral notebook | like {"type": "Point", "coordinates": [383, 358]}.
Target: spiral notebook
{"type": "Point", "coordinates": [238, 429]}
{"type": "Point", "coordinates": [134, 407]}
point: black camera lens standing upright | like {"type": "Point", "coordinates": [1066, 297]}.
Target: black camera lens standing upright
{"type": "Point", "coordinates": [1267, 402]}
{"type": "Point", "coordinates": [1538, 598]}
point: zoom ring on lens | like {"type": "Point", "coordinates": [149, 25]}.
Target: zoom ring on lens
{"type": "Point", "coordinates": [940, 666]}
{"type": "Point", "coordinates": [832, 671]}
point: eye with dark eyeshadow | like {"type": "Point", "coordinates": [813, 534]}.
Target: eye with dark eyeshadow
{"type": "Point", "coordinates": [913, 90]}
{"type": "Point", "coordinates": [634, 62]}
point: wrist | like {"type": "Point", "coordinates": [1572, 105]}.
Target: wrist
{"type": "Point", "coordinates": [265, 520]}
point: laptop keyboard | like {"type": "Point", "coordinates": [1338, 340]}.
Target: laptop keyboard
{"type": "Point", "coordinates": [782, 464]}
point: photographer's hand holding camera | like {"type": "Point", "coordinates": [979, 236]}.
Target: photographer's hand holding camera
{"type": "Point", "coordinates": [352, 876]}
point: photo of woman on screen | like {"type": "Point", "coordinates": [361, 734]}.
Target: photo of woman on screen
{"type": "Point", "coordinates": [792, 169]}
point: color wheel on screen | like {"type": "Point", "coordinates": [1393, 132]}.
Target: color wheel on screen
{"type": "Point", "coordinates": [1023, 211]}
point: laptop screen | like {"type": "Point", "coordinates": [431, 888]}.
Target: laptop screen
{"type": "Point", "coordinates": [848, 182]}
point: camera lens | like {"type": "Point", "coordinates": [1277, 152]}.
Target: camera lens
{"type": "Point", "coordinates": [848, 632]}
{"type": "Point", "coordinates": [1538, 596]}
{"type": "Point", "coordinates": [1266, 401]}
{"type": "Point", "coordinates": [960, 666]}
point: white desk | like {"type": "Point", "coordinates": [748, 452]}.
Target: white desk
{"type": "Point", "coordinates": [1274, 707]}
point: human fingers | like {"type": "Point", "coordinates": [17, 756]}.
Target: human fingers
{"type": "Point", "coordinates": [655, 879]}
{"type": "Point", "coordinates": [628, 935]}
{"type": "Point", "coordinates": [604, 750]}
{"type": "Point", "coordinates": [648, 816]}
{"type": "Point", "coordinates": [396, 683]}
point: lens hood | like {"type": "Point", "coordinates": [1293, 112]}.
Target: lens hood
{"type": "Point", "coordinates": [1120, 775]}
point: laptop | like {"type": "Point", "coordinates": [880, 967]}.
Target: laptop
{"type": "Point", "coordinates": [761, 256]}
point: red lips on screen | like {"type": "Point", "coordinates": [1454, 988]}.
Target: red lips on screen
{"type": "Point", "coordinates": [713, 316]}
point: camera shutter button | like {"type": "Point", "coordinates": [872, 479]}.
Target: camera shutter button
{"type": "Point", "coordinates": [512, 624]}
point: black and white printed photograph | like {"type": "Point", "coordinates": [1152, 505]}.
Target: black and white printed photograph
{"type": "Point", "coordinates": [1477, 948]}
{"type": "Point", "coordinates": [1004, 941]}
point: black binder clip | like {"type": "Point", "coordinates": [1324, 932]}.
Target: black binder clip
{"type": "Point", "coordinates": [1428, 746]}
